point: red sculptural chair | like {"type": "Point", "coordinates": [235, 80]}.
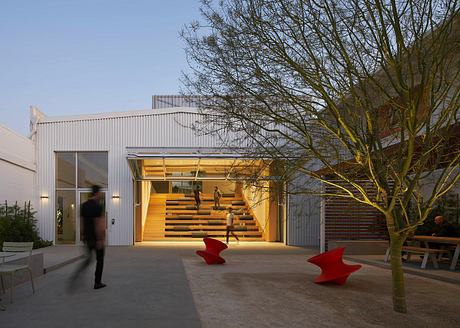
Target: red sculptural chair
{"type": "Point", "coordinates": [213, 249]}
{"type": "Point", "coordinates": [332, 267]}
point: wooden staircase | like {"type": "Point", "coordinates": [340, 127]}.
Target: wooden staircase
{"type": "Point", "coordinates": [175, 217]}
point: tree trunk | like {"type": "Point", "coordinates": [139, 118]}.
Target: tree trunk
{"type": "Point", "coordinates": [399, 293]}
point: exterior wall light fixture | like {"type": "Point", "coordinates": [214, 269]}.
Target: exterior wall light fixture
{"type": "Point", "coordinates": [115, 196]}
{"type": "Point", "coordinates": [44, 197]}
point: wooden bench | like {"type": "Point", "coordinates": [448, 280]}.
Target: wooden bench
{"type": "Point", "coordinates": [428, 253]}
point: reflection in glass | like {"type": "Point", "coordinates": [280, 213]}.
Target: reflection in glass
{"type": "Point", "coordinates": [160, 187]}
{"type": "Point", "coordinates": [65, 216]}
{"type": "Point", "coordinates": [65, 170]}
{"type": "Point", "coordinates": [185, 187]}
{"type": "Point", "coordinates": [92, 169]}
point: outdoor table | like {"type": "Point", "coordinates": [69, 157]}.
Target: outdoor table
{"type": "Point", "coordinates": [442, 240]}
{"type": "Point", "coordinates": [4, 255]}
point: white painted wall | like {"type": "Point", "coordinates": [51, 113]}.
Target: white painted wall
{"type": "Point", "coordinates": [146, 189]}
{"type": "Point", "coordinates": [17, 168]}
{"type": "Point", "coordinates": [257, 199]}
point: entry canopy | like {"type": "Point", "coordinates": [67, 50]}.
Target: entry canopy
{"type": "Point", "coordinates": [158, 164]}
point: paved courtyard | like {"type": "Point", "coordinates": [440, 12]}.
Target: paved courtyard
{"type": "Point", "coordinates": [166, 285]}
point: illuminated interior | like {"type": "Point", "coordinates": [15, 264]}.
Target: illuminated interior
{"type": "Point", "coordinates": [175, 167]}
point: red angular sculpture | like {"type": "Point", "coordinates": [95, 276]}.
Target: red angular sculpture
{"type": "Point", "coordinates": [332, 266]}
{"type": "Point", "coordinates": [213, 249]}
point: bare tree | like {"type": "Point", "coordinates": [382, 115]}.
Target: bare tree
{"type": "Point", "coordinates": [361, 88]}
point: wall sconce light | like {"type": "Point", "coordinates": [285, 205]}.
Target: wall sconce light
{"type": "Point", "coordinates": [115, 196]}
{"type": "Point", "coordinates": [44, 197]}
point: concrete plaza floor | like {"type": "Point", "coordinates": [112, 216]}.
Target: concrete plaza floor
{"type": "Point", "coordinates": [261, 285]}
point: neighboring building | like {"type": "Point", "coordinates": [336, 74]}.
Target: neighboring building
{"type": "Point", "coordinates": [17, 168]}
{"type": "Point", "coordinates": [346, 221]}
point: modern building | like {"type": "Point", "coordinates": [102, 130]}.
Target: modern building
{"type": "Point", "coordinates": [148, 164]}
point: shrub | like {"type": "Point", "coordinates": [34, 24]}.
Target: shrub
{"type": "Point", "coordinates": [19, 225]}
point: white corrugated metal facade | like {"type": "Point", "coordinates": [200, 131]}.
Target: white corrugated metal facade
{"type": "Point", "coordinates": [112, 134]}
{"type": "Point", "coordinates": [304, 220]}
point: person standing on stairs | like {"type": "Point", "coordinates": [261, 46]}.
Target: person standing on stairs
{"type": "Point", "coordinates": [196, 193]}
{"type": "Point", "coordinates": [230, 218]}
{"type": "Point", "coordinates": [217, 197]}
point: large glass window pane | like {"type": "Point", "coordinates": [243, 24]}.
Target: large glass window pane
{"type": "Point", "coordinates": [185, 187]}
{"type": "Point", "coordinates": [160, 187]}
{"type": "Point", "coordinates": [65, 217]}
{"type": "Point", "coordinates": [92, 169]}
{"type": "Point", "coordinates": [65, 170]}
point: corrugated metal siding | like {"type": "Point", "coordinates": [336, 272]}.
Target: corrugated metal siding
{"type": "Point", "coordinates": [304, 220]}
{"type": "Point", "coordinates": [112, 135]}
{"type": "Point", "coordinates": [304, 213]}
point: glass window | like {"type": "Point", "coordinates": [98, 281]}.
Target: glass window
{"type": "Point", "coordinates": [65, 170]}
{"type": "Point", "coordinates": [65, 216]}
{"type": "Point", "coordinates": [92, 169]}
{"type": "Point", "coordinates": [160, 187]}
{"type": "Point", "coordinates": [185, 187]}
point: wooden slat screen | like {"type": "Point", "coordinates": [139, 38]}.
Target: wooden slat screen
{"type": "Point", "coordinates": [346, 219]}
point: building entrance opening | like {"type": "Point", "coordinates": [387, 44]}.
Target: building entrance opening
{"type": "Point", "coordinates": [168, 209]}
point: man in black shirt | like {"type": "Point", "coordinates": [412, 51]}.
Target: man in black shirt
{"type": "Point", "coordinates": [93, 235]}
{"type": "Point", "coordinates": [443, 228]}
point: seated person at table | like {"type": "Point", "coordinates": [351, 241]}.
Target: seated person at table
{"type": "Point", "coordinates": [443, 228]}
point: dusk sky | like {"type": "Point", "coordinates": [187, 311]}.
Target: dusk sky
{"type": "Point", "coordinates": [71, 57]}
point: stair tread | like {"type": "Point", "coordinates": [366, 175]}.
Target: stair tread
{"type": "Point", "coordinates": [208, 227]}
{"type": "Point", "coordinates": [175, 217]}
{"type": "Point", "coordinates": [222, 233]}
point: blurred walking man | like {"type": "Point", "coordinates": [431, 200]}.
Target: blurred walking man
{"type": "Point", "coordinates": [93, 235]}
